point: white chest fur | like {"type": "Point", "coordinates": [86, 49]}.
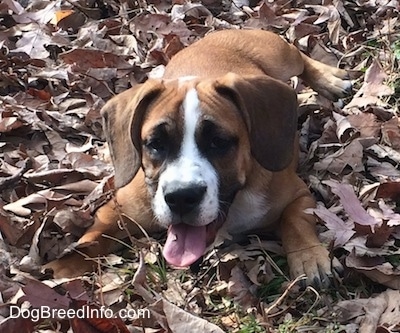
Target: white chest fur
{"type": "Point", "coordinates": [247, 212]}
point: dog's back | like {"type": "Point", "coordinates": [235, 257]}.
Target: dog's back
{"type": "Point", "coordinates": [242, 52]}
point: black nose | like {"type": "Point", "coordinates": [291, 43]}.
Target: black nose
{"type": "Point", "coordinates": [182, 200]}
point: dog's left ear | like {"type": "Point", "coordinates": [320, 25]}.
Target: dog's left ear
{"type": "Point", "coordinates": [269, 108]}
{"type": "Point", "coordinates": [122, 118]}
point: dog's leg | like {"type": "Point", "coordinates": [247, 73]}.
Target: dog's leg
{"type": "Point", "coordinates": [129, 201]}
{"type": "Point", "coordinates": [75, 264]}
{"type": "Point", "coordinates": [305, 253]}
{"type": "Point", "coordinates": [284, 60]}
{"type": "Point", "coordinates": [329, 81]}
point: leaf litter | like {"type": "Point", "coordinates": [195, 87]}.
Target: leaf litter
{"type": "Point", "coordinates": [60, 61]}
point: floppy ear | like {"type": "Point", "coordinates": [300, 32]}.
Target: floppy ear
{"type": "Point", "coordinates": [122, 120]}
{"type": "Point", "coordinates": [269, 108]}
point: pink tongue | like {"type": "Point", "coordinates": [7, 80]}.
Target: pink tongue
{"type": "Point", "coordinates": [185, 244]}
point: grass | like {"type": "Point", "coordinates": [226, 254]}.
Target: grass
{"type": "Point", "coordinates": [269, 291]}
{"type": "Point", "coordinates": [250, 325]}
{"type": "Point", "coordinates": [158, 271]}
{"type": "Point", "coordinates": [290, 324]}
{"type": "Point", "coordinates": [396, 49]}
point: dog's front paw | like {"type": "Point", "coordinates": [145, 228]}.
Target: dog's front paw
{"type": "Point", "coordinates": [316, 264]}
{"type": "Point", "coordinates": [70, 266]}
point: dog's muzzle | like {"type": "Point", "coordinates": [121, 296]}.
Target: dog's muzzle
{"type": "Point", "coordinates": [187, 238]}
{"type": "Point", "coordinates": [183, 200]}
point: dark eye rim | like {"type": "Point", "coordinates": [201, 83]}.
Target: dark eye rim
{"type": "Point", "coordinates": [215, 139]}
{"type": "Point", "coordinates": [155, 145]}
{"type": "Point", "coordinates": [221, 144]}
{"type": "Point", "coordinates": [157, 142]}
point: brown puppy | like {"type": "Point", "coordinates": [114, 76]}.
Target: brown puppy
{"type": "Point", "coordinates": [212, 146]}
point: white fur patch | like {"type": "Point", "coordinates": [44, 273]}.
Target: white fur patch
{"type": "Point", "coordinates": [189, 169]}
{"type": "Point", "coordinates": [247, 212]}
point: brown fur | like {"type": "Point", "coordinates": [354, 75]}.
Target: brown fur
{"type": "Point", "coordinates": [235, 70]}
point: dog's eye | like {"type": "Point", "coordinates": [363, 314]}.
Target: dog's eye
{"type": "Point", "coordinates": [214, 140]}
{"type": "Point", "coordinates": [221, 144]}
{"type": "Point", "coordinates": [155, 145]}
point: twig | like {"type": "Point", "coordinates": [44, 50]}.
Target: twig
{"type": "Point", "coordinates": [280, 299]}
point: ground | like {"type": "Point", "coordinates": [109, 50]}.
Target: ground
{"type": "Point", "coordinates": [60, 61]}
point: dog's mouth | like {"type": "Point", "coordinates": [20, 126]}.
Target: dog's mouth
{"type": "Point", "coordinates": [186, 243]}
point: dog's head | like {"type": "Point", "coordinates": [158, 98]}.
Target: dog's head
{"type": "Point", "coordinates": [196, 141]}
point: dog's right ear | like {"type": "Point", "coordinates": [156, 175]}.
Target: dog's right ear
{"type": "Point", "coordinates": [122, 120]}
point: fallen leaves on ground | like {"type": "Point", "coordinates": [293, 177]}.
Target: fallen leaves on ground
{"type": "Point", "coordinates": [60, 61]}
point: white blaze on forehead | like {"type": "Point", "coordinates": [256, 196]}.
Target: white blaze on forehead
{"type": "Point", "coordinates": [189, 149]}
{"type": "Point", "coordinates": [189, 169]}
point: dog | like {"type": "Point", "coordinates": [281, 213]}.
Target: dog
{"type": "Point", "coordinates": [212, 146]}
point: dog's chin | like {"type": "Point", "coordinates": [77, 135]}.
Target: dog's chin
{"type": "Point", "coordinates": [186, 243]}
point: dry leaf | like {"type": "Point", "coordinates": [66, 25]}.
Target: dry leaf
{"type": "Point", "coordinates": [376, 269]}
{"type": "Point", "coordinates": [374, 87]}
{"type": "Point", "coordinates": [342, 231]}
{"type": "Point", "coordinates": [351, 204]}
{"type": "Point", "coordinates": [181, 321]}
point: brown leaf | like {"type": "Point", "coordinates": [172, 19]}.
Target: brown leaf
{"type": "Point", "coordinates": [45, 199]}
{"type": "Point", "coordinates": [239, 288]}
{"type": "Point", "coordinates": [88, 58]}
{"type": "Point", "coordinates": [174, 45]}
{"type": "Point", "coordinates": [39, 295]}
{"type": "Point", "coordinates": [18, 230]}
{"type": "Point", "coordinates": [42, 15]}
{"type": "Point", "coordinates": [34, 43]}
{"type": "Point", "coordinates": [93, 324]}
{"type": "Point", "coordinates": [384, 172]}
{"type": "Point", "coordinates": [383, 151]}
{"type": "Point", "coordinates": [13, 6]}
{"type": "Point", "coordinates": [20, 325]}
{"type": "Point", "coordinates": [182, 321]}
{"type": "Point", "coordinates": [343, 231]}
{"type": "Point", "coordinates": [60, 14]}
{"type": "Point", "coordinates": [8, 124]}
{"type": "Point", "coordinates": [376, 269]}
{"type": "Point", "coordinates": [375, 314]}
{"type": "Point", "coordinates": [391, 133]}
{"type": "Point", "coordinates": [344, 130]}
{"type": "Point", "coordinates": [374, 82]}
{"type": "Point", "coordinates": [381, 310]}
{"type": "Point", "coordinates": [73, 21]}
{"type": "Point", "coordinates": [350, 155]}
{"type": "Point", "coordinates": [329, 14]}
{"type": "Point", "coordinates": [351, 204]}
{"type": "Point", "coordinates": [373, 88]}
{"type": "Point", "coordinates": [40, 94]}
{"type": "Point", "coordinates": [384, 213]}
{"type": "Point", "coordinates": [380, 236]}
{"type": "Point", "coordinates": [366, 124]}
{"type": "Point", "coordinates": [389, 190]}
